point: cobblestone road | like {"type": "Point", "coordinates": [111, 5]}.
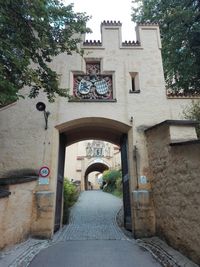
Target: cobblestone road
{"type": "Point", "coordinates": [94, 218]}
{"type": "Point", "coordinates": [93, 238]}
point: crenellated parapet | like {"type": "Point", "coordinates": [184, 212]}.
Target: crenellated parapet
{"type": "Point", "coordinates": [111, 37]}
{"type": "Point", "coordinates": [148, 34]}
{"type": "Point", "coordinates": [111, 23]}
{"type": "Point", "coordinates": [131, 43]}
{"type": "Point", "coordinates": [147, 24]}
{"type": "Point", "coordinates": [92, 43]}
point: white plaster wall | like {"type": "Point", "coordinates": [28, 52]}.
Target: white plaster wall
{"type": "Point", "coordinates": [26, 145]}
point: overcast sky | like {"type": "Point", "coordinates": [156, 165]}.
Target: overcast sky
{"type": "Point", "coordinates": [106, 10]}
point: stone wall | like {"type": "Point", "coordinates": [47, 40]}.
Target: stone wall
{"type": "Point", "coordinates": [16, 213]}
{"type": "Point", "coordinates": [175, 182]}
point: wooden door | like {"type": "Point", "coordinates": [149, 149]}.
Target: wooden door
{"type": "Point", "coordinates": [60, 180]}
{"type": "Point", "coordinates": [125, 181]}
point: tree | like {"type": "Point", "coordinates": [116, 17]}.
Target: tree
{"type": "Point", "coordinates": [179, 22]}
{"type": "Point", "coordinates": [31, 34]}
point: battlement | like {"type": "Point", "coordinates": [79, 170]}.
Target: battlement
{"type": "Point", "coordinates": [92, 43]}
{"type": "Point", "coordinates": [131, 43]}
{"type": "Point", "coordinates": [148, 24]}
{"type": "Point", "coordinates": [147, 34]}
{"type": "Point", "coordinates": [111, 23]}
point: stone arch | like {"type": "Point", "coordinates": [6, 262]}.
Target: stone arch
{"type": "Point", "coordinates": [93, 128]}
{"type": "Point", "coordinates": [99, 128]}
{"type": "Point", "coordinates": [95, 166]}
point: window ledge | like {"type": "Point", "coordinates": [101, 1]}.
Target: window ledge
{"type": "Point", "coordinates": [134, 92]}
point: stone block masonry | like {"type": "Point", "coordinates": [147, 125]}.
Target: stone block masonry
{"type": "Point", "coordinates": [176, 188]}
{"type": "Point", "coordinates": [43, 214]}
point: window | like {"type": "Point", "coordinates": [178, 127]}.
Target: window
{"type": "Point", "coordinates": [134, 83]}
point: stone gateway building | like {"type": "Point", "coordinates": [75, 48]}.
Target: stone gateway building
{"type": "Point", "coordinates": [118, 95]}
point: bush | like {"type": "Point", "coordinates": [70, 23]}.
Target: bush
{"type": "Point", "coordinates": [119, 184]}
{"type": "Point", "coordinates": [113, 182]}
{"type": "Point", "coordinates": [192, 112]}
{"type": "Point", "coordinates": [70, 196]}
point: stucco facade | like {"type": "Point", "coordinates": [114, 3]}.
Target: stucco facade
{"type": "Point", "coordinates": [24, 125]}
{"type": "Point", "coordinates": [119, 117]}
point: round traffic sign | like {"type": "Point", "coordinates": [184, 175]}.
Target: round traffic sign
{"type": "Point", "coordinates": [44, 171]}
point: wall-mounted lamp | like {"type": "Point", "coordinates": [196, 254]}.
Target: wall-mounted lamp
{"type": "Point", "coordinates": [42, 107]}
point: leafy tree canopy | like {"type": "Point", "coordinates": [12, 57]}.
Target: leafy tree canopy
{"type": "Point", "coordinates": [179, 22]}
{"type": "Point", "coordinates": [31, 34]}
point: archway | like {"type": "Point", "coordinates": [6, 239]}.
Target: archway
{"type": "Point", "coordinates": [100, 129]}
{"type": "Point", "coordinates": [98, 166]}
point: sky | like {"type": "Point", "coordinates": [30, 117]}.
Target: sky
{"type": "Point", "coordinates": [119, 10]}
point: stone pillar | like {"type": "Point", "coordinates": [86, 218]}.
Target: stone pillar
{"type": "Point", "coordinates": [143, 212]}
{"type": "Point", "coordinates": [43, 214]}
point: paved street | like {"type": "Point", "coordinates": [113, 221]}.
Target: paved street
{"type": "Point", "coordinates": [93, 238]}
{"type": "Point", "coordinates": [93, 218]}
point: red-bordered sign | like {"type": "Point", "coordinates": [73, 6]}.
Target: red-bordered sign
{"type": "Point", "coordinates": [44, 171]}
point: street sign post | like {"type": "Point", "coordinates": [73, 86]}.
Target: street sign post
{"type": "Point", "coordinates": [43, 175]}
{"type": "Point", "coordinates": [44, 171]}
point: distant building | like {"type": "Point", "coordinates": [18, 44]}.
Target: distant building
{"type": "Point", "coordinates": [86, 160]}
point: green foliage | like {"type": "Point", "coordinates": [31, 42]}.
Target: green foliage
{"type": "Point", "coordinates": [113, 180]}
{"type": "Point", "coordinates": [119, 183]}
{"type": "Point", "coordinates": [117, 193]}
{"type": "Point", "coordinates": [31, 34]}
{"type": "Point", "coordinates": [192, 112]}
{"type": "Point", "coordinates": [179, 22]}
{"type": "Point", "coordinates": [70, 197]}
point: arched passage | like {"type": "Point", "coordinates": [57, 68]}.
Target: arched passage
{"type": "Point", "coordinates": [93, 128]}
{"type": "Point", "coordinates": [100, 129]}
{"type": "Point", "coordinates": [98, 166]}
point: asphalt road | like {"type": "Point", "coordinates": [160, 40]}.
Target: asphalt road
{"type": "Point", "coordinates": [94, 253]}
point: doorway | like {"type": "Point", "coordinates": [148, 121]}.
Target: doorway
{"type": "Point", "coordinates": [94, 129]}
